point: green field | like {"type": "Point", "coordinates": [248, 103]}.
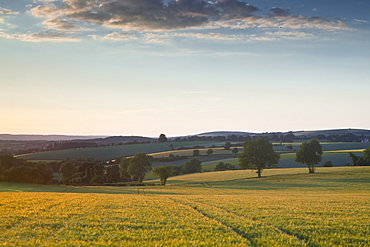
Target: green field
{"type": "Point", "coordinates": [287, 207]}
{"type": "Point", "coordinates": [111, 152]}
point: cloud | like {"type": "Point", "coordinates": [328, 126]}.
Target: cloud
{"type": "Point", "coordinates": [40, 37]}
{"type": "Point", "coordinates": [115, 36]}
{"type": "Point", "coordinates": [280, 12]}
{"type": "Point", "coordinates": [61, 25]}
{"type": "Point", "coordinates": [301, 22]}
{"type": "Point", "coordinates": [361, 21]}
{"type": "Point", "coordinates": [7, 12]}
{"type": "Point", "coordinates": [233, 9]}
{"type": "Point", "coordinates": [45, 11]}
{"type": "Point", "coordinates": [289, 35]}
{"type": "Point", "coordinates": [161, 22]}
{"type": "Point", "coordinates": [147, 14]}
{"type": "Point", "coordinates": [209, 36]}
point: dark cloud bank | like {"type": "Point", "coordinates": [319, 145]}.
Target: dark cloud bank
{"type": "Point", "coordinates": [149, 14]}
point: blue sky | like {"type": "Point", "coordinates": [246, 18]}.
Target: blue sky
{"type": "Point", "coordinates": [145, 67]}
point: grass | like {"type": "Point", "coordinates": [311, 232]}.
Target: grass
{"type": "Point", "coordinates": [287, 207]}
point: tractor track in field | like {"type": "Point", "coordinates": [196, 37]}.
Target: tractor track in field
{"type": "Point", "coordinates": [235, 230]}
{"type": "Point", "coordinates": [302, 240]}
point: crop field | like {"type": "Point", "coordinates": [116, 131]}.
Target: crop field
{"type": "Point", "coordinates": [287, 207]}
{"type": "Point", "coordinates": [110, 152]}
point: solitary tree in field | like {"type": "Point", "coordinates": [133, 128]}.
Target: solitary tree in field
{"type": "Point", "coordinates": [209, 151]}
{"type": "Point", "coordinates": [196, 152]}
{"type": "Point", "coordinates": [258, 155]}
{"type": "Point", "coordinates": [163, 172]}
{"type": "Point", "coordinates": [162, 138]}
{"type": "Point", "coordinates": [309, 154]}
{"type": "Point", "coordinates": [139, 166]}
{"type": "Point", "coordinates": [235, 151]}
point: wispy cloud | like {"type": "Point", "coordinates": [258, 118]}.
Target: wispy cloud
{"type": "Point", "coordinates": [61, 25]}
{"type": "Point", "coordinates": [115, 36]}
{"type": "Point", "coordinates": [4, 11]}
{"type": "Point", "coordinates": [39, 37]}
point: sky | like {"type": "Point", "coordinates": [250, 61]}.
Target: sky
{"type": "Point", "coordinates": [182, 67]}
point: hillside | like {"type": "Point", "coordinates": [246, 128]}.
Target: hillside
{"type": "Point", "coordinates": [307, 133]}
{"type": "Point", "coordinates": [226, 133]}
{"type": "Point", "coordinates": [357, 132]}
{"type": "Point", "coordinates": [10, 137]}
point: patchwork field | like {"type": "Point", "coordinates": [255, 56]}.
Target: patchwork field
{"type": "Point", "coordinates": [335, 152]}
{"type": "Point", "coordinates": [287, 207]}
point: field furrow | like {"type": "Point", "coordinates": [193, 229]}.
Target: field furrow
{"type": "Point", "coordinates": [318, 220]}
{"type": "Point", "coordinates": [46, 219]}
{"type": "Point", "coordinates": [257, 233]}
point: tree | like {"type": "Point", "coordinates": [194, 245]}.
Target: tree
{"type": "Point", "coordinates": [68, 172]}
{"type": "Point", "coordinates": [46, 173]}
{"type": "Point", "coordinates": [196, 152]}
{"type": "Point", "coordinates": [327, 163]}
{"type": "Point", "coordinates": [221, 166]}
{"type": "Point", "coordinates": [309, 153]}
{"type": "Point", "coordinates": [162, 138]}
{"type": "Point", "coordinates": [139, 166]}
{"type": "Point", "coordinates": [89, 175]}
{"type": "Point", "coordinates": [192, 166]}
{"type": "Point", "coordinates": [163, 172]}
{"type": "Point", "coordinates": [355, 159]}
{"type": "Point", "coordinates": [209, 151]}
{"type": "Point", "coordinates": [235, 151]}
{"type": "Point", "coordinates": [366, 156]}
{"type": "Point", "coordinates": [112, 174]}
{"type": "Point", "coordinates": [227, 145]}
{"type": "Point", "coordinates": [289, 137]}
{"type": "Point", "coordinates": [98, 170]}
{"type": "Point", "coordinates": [258, 155]}
{"type": "Point", "coordinates": [123, 169]}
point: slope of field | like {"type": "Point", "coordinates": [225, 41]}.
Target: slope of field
{"type": "Point", "coordinates": [310, 133]}
{"type": "Point", "coordinates": [287, 207]}
{"type": "Point", "coordinates": [110, 152]}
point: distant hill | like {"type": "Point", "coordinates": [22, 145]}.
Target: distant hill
{"type": "Point", "coordinates": [10, 137]}
{"type": "Point", "coordinates": [226, 133]}
{"type": "Point", "coordinates": [310, 133]}
{"type": "Point", "coordinates": [122, 139]}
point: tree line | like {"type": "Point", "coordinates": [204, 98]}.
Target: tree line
{"type": "Point", "coordinates": [131, 170]}
{"type": "Point", "coordinates": [21, 171]}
